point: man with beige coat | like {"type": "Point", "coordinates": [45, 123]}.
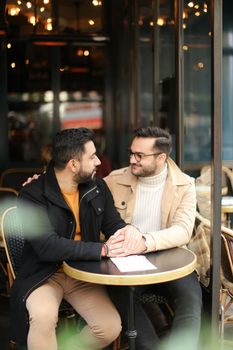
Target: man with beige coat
{"type": "Point", "coordinates": [159, 199]}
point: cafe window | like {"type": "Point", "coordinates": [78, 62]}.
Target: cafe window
{"type": "Point", "coordinates": [80, 75]}
{"type": "Point", "coordinates": [49, 16]}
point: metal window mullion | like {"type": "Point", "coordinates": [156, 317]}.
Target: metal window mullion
{"type": "Point", "coordinates": [216, 156]}
{"type": "Point", "coordinates": [179, 68]}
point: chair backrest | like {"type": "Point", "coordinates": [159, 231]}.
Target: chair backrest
{"type": "Point", "coordinates": [200, 245]}
{"type": "Point", "coordinates": [13, 239]}
{"type": "Point", "coordinates": [226, 255]}
{"type": "Point", "coordinates": [7, 198]}
{"type": "Point", "coordinates": [15, 177]}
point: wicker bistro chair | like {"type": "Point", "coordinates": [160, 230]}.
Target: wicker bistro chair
{"type": "Point", "coordinates": [8, 198]}
{"type": "Point", "coordinates": [13, 239]}
{"type": "Point", "coordinates": [200, 244]}
{"type": "Point", "coordinates": [226, 295]}
{"type": "Point", "coordinates": [15, 177]}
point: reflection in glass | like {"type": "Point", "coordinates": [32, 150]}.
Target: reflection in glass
{"type": "Point", "coordinates": [197, 81]}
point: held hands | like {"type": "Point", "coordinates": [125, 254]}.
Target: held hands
{"type": "Point", "coordinates": [126, 241]}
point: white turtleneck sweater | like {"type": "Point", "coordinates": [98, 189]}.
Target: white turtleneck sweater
{"type": "Point", "coordinates": [147, 211]}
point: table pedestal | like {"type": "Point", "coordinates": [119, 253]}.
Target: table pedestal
{"type": "Point", "coordinates": [131, 332]}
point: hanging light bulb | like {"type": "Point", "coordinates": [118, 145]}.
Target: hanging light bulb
{"type": "Point", "coordinates": [29, 4]}
{"type": "Point", "coordinates": [190, 4]}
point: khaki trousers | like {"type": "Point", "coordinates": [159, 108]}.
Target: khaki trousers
{"type": "Point", "coordinates": [91, 301]}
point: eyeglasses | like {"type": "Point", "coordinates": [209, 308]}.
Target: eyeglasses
{"type": "Point", "coordinates": [139, 156]}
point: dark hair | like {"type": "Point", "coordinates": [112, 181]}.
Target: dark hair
{"type": "Point", "coordinates": [68, 144]}
{"type": "Point", "coordinates": [163, 140]}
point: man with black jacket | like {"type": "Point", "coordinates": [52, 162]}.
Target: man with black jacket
{"type": "Point", "coordinates": [62, 215]}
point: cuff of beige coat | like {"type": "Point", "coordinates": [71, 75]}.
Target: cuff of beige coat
{"type": "Point", "coordinates": [149, 243]}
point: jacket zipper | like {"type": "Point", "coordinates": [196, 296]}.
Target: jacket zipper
{"type": "Point", "coordinates": [92, 189]}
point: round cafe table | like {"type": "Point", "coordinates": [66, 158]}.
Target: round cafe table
{"type": "Point", "coordinates": [169, 265]}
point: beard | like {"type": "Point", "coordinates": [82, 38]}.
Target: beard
{"type": "Point", "coordinates": [139, 171]}
{"type": "Point", "coordinates": [84, 176]}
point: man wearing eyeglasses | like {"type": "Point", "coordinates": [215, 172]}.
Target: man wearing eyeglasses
{"type": "Point", "coordinates": [154, 195]}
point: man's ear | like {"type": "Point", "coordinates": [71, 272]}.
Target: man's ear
{"type": "Point", "coordinates": [73, 165]}
{"type": "Point", "coordinates": [163, 157]}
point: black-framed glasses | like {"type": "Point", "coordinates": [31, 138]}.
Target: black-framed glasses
{"type": "Point", "coordinates": [139, 156]}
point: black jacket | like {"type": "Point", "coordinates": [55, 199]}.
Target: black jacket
{"type": "Point", "coordinates": [49, 228]}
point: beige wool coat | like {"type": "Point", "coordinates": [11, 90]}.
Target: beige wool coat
{"type": "Point", "coordinates": [178, 205]}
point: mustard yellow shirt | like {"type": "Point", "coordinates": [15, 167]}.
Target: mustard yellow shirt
{"type": "Point", "coordinates": [72, 199]}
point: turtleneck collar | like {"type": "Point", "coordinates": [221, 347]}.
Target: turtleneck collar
{"type": "Point", "coordinates": [153, 181]}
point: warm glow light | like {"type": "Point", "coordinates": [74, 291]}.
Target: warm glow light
{"type": "Point", "coordinates": [160, 21]}
{"type": "Point", "coordinates": [185, 47]}
{"type": "Point", "coordinates": [63, 96]}
{"type": "Point", "coordinates": [46, 2]}
{"type": "Point", "coordinates": [86, 53]}
{"type": "Point", "coordinates": [27, 61]}
{"type": "Point", "coordinates": [184, 25]}
{"type": "Point", "coordinates": [49, 26]}
{"type": "Point", "coordinates": [19, 2]}
{"type": "Point", "coordinates": [91, 22]}
{"type": "Point", "coordinates": [50, 43]}
{"type": "Point", "coordinates": [29, 5]}
{"type": "Point", "coordinates": [197, 13]}
{"type": "Point", "coordinates": [209, 33]}
{"type": "Point", "coordinates": [200, 65]}
{"type": "Point", "coordinates": [14, 11]}
{"type": "Point", "coordinates": [79, 52]}
{"type": "Point", "coordinates": [185, 15]}
{"type": "Point", "coordinates": [190, 4]}
{"type": "Point", "coordinates": [96, 2]}
{"type": "Point", "coordinates": [196, 6]}
{"type": "Point", "coordinates": [205, 10]}
{"type": "Point", "coordinates": [151, 23]}
{"type": "Point", "coordinates": [42, 9]}
{"type": "Point", "coordinates": [8, 45]}
{"type": "Point", "coordinates": [32, 20]}
{"type": "Point", "coordinates": [48, 96]}
{"type": "Point", "coordinates": [13, 65]}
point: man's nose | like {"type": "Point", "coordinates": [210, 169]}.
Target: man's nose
{"type": "Point", "coordinates": [98, 162]}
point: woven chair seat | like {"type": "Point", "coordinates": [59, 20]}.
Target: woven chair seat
{"type": "Point", "coordinates": [149, 298]}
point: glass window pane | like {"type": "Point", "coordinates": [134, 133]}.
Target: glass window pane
{"type": "Point", "coordinates": [197, 82]}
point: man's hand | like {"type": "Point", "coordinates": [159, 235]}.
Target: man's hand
{"type": "Point", "coordinates": [115, 244]}
{"type": "Point", "coordinates": [126, 241]}
{"type": "Point", "coordinates": [30, 179]}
